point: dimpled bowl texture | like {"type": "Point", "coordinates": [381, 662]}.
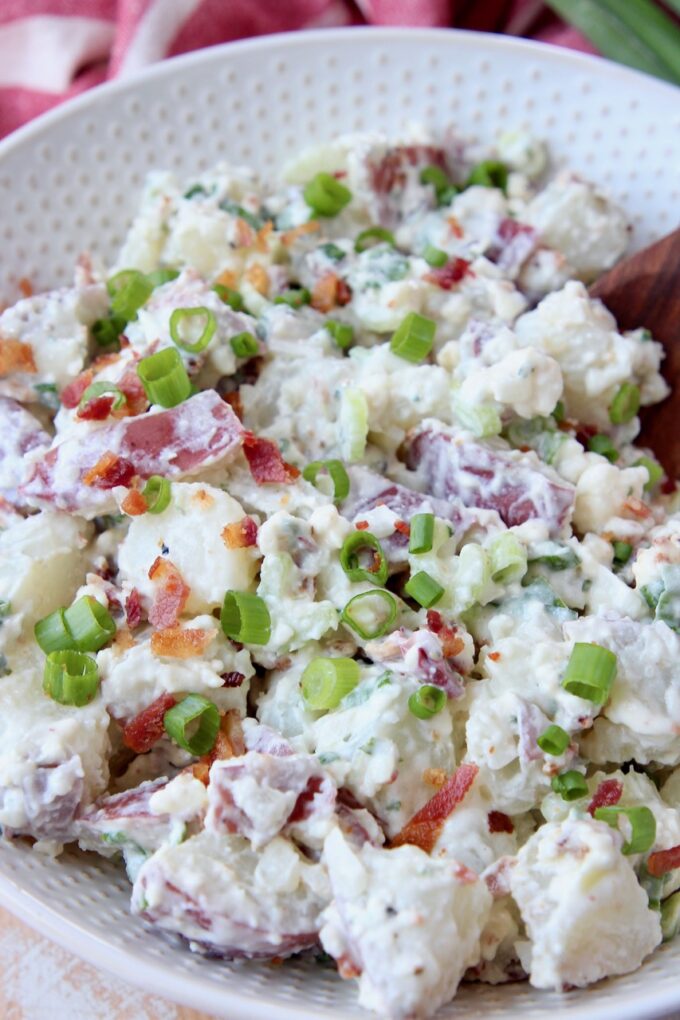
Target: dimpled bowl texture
{"type": "Point", "coordinates": [70, 182]}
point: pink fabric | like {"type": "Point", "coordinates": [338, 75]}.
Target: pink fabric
{"type": "Point", "coordinates": [51, 50]}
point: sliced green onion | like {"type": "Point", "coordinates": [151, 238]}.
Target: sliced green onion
{"type": "Point", "coordinates": [625, 404]}
{"type": "Point", "coordinates": [622, 551]}
{"type": "Point", "coordinates": [99, 389]}
{"type": "Point", "coordinates": [413, 338]}
{"type": "Point", "coordinates": [447, 195]}
{"type": "Point", "coordinates": [427, 701]}
{"type": "Point", "coordinates": [229, 296]}
{"type": "Point", "coordinates": [353, 421]}
{"type": "Point", "coordinates": [157, 493]}
{"type": "Point", "coordinates": [106, 332]}
{"type": "Point", "coordinates": [603, 445]}
{"type": "Point", "coordinates": [179, 722]}
{"type": "Point", "coordinates": [335, 469]}
{"type": "Point", "coordinates": [128, 291]}
{"type": "Point", "coordinates": [294, 297]}
{"type": "Point", "coordinates": [435, 256]}
{"type": "Point", "coordinates": [424, 589]}
{"type": "Point", "coordinates": [245, 618]}
{"type": "Point", "coordinates": [378, 234]}
{"type": "Point", "coordinates": [325, 195]}
{"type": "Point", "coordinates": [332, 251]}
{"type": "Point", "coordinates": [244, 345]}
{"type": "Point", "coordinates": [70, 677]}
{"type": "Point", "coordinates": [342, 333]}
{"type": "Point", "coordinates": [508, 558]}
{"type": "Point", "coordinates": [90, 624]}
{"type": "Point", "coordinates": [570, 785]}
{"type": "Point", "coordinates": [195, 189]}
{"type": "Point", "coordinates": [670, 917]}
{"type": "Point", "coordinates": [164, 377]}
{"type": "Point", "coordinates": [352, 547]}
{"type": "Point", "coordinates": [556, 555]}
{"type": "Point", "coordinates": [553, 740]}
{"type": "Point", "coordinates": [52, 633]}
{"type": "Point", "coordinates": [5, 609]}
{"type": "Point", "coordinates": [559, 412]}
{"type": "Point", "coordinates": [325, 682]}
{"type": "Point", "coordinates": [482, 419]}
{"type": "Point", "coordinates": [246, 215]}
{"type": "Point", "coordinates": [654, 470]}
{"type": "Point", "coordinates": [371, 613]}
{"type": "Point", "coordinates": [590, 672]}
{"type": "Point", "coordinates": [642, 822]}
{"type": "Point", "coordinates": [490, 174]}
{"type": "Point", "coordinates": [182, 325]}
{"type": "Point", "coordinates": [422, 533]}
{"type": "Point", "coordinates": [160, 276]}
{"type": "Point", "coordinates": [435, 176]}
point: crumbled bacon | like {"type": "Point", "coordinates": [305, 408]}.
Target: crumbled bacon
{"type": "Point", "coordinates": [446, 276]}
{"type": "Point", "coordinates": [343, 293]}
{"type": "Point", "coordinates": [146, 729]}
{"type": "Point", "coordinates": [424, 828]}
{"type": "Point", "coordinates": [245, 235]}
{"type": "Point", "coordinates": [232, 679]}
{"type": "Point", "coordinates": [134, 503]}
{"type": "Point", "coordinates": [347, 968]}
{"type": "Point", "coordinates": [133, 609]}
{"type": "Point", "coordinates": [72, 393]}
{"type": "Point", "coordinates": [262, 239]}
{"type": "Point", "coordinates": [257, 277]}
{"type": "Point", "coordinates": [233, 398]}
{"type": "Point", "coordinates": [227, 279]}
{"type": "Point", "coordinates": [241, 534]}
{"type": "Point", "coordinates": [361, 525]}
{"type": "Point", "coordinates": [324, 292]}
{"type": "Point", "coordinates": [390, 173]}
{"type": "Point", "coordinates": [498, 821]}
{"type": "Point", "coordinates": [109, 471]}
{"type": "Point", "coordinates": [454, 226]}
{"type": "Point", "coordinates": [136, 400]}
{"type": "Point", "coordinates": [265, 461]}
{"type": "Point", "coordinates": [15, 356]}
{"type": "Point", "coordinates": [434, 777]}
{"type": "Point", "coordinates": [668, 486]}
{"type": "Point", "coordinates": [494, 656]}
{"type": "Point", "coordinates": [607, 794]}
{"type": "Point", "coordinates": [403, 528]}
{"type": "Point", "coordinates": [288, 237]}
{"type": "Point", "coordinates": [171, 595]}
{"type": "Point", "coordinates": [178, 643]}
{"type": "Point", "coordinates": [305, 803]}
{"type": "Point", "coordinates": [635, 507]}
{"type": "Point", "coordinates": [662, 861]}
{"type": "Point", "coordinates": [230, 742]}
{"type": "Point", "coordinates": [26, 287]}
{"type": "Point", "coordinates": [97, 409]}
{"type": "Point", "coordinates": [451, 642]}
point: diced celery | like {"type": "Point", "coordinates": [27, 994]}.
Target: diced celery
{"type": "Point", "coordinates": [353, 423]}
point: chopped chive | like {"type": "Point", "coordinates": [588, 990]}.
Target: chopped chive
{"type": "Point", "coordinates": [421, 534]}
{"type": "Point", "coordinates": [424, 589]}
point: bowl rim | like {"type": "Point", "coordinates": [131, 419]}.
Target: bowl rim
{"type": "Point", "coordinates": [148, 973]}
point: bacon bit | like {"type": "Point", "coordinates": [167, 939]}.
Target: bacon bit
{"type": "Point", "coordinates": [146, 729]}
{"type": "Point", "coordinates": [262, 238]}
{"type": "Point", "coordinates": [347, 968]}
{"type": "Point", "coordinates": [446, 276]}
{"type": "Point", "coordinates": [424, 828]}
{"type": "Point", "coordinates": [241, 534]}
{"type": "Point", "coordinates": [498, 821]}
{"type": "Point", "coordinates": [434, 621]}
{"type": "Point", "coordinates": [668, 486]}
{"type": "Point", "coordinates": [72, 393]}
{"type": "Point", "coordinates": [257, 277]}
{"type": "Point", "coordinates": [135, 396]}
{"type": "Point", "coordinates": [133, 609]}
{"type": "Point", "coordinates": [494, 656]}
{"type": "Point", "coordinates": [324, 292]}
{"type": "Point", "coordinates": [463, 874]}
{"type": "Point", "coordinates": [134, 504]}
{"type": "Point", "coordinates": [109, 471]}
{"type": "Point", "coordinates": [403, 528]}
{"type": "Point", "coordinates": [16, 356]}
{"type": "Point", "coordinates": [176, 643]}
{"type": "Point", "coordinates": [227, 279]}
{"type": "Point", "coordinates": [636, 508]}
{"type": "Point", "coordinates": [662, 861]}
{"type": "Point", "coordinates": [375, 563]}
{"type": "Point", "coordinates": [201, 771]}
{"type": "Point", "coordinates": [305, 802]}
{"type": "Point", "coordinates": [230, 742]}
{"type": "Point", "coordinates": [607, 794]}
{"type": "Point", "coordinates": [97, 409]}
{"type": "Point", "coordinates": [434, 777]}
{"type": "Point", "coordinates": [452, 643]}
{"type": "Point", "coordinates": [361, 525]}
{"type": "Point", "coordinates": [26, 287]}
{"type": "Point", "coordinates": [290, 236]}
{"type": "Point", "coordinates": [123, 640]}
{"type": "Point", "coordinates": [245, 235]}
{"type": "Point", "coordinates": [171, 598]}
{"type": "Point", "coordinates": [586, 432]}
{"type": "Point", "coordinates": [203, 499]}
{"type": "Point", "coordinates": [233, 398]}
{"type": "Point", "coordinates": [343, 293]}
{"type": "Point", "coordinates": [232, 679]}
{"type": "Point", "coordinates": [265, 461]}
{"type": "Point", "coordinates": [454, 226]}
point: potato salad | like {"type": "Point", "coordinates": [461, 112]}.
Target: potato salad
{"type": "Point", "coordinates": [337, 598]}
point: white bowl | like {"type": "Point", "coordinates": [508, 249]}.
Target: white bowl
{"type": "Point", "coordinates": [69, 182]}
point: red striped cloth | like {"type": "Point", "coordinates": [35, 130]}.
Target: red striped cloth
{"type": "Point", "coordinates": [51, 50]}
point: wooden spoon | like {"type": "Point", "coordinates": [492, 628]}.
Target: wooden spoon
{"type": "Point", "coordinates": [644, 290]}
